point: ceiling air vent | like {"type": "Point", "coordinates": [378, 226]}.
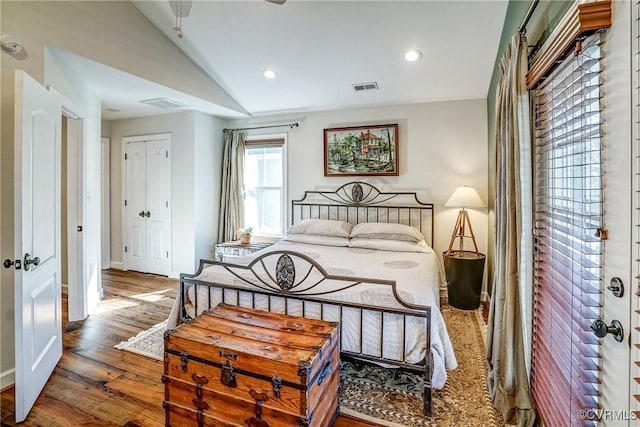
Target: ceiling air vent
{"type": "Point", "coordinates": [164, 103]}
{"type": "Point", "coordinates": [358, 87]}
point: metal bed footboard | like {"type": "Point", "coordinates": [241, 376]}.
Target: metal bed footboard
{"type": "Point", "coordinates": [272, 276]}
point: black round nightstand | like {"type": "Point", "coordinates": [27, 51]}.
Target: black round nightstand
{"type": "Point", "coordinates": [464, 271]}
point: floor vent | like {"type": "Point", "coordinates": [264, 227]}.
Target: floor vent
{"type": "Point", "coordinates": [164, 103]}
{"type": "Point", "coordinates": [358, 87]}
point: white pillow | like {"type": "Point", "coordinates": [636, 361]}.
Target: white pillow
{"type": "Point", "coordinates": [314, 239]}
{"type": "Point", "coordinates": [390, 245]}
{"type": "Point", "coordinates": [321, 227]}
{"type": "Point", "coordinates": [386, 231]}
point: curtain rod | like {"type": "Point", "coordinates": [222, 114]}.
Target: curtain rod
{"type": "Point", "coordinates": [523, 27]}
{"type": "Point", "coordinates": [291, 126]}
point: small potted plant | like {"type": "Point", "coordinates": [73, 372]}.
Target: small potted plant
{"type": "Point", "coordinates": [245, 234]}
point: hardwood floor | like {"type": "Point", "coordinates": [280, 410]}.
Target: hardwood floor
{"type": "Point", "coordinates": [97, 385]}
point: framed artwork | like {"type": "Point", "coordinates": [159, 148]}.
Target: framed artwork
{"type": "Point", "coordinates": [361, 150]}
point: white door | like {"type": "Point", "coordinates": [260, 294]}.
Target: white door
{"type": "Point", "coordinates": [136, 247]}
{"type": "Point", "coordinates": [148, 206]}
{"type": "Point", "coordinates": [38, 320]}
{"type": "Point", "coordinates": [158, 215]}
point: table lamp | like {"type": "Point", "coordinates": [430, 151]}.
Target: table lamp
{"type": "Point", "coordinates": [464, 197]}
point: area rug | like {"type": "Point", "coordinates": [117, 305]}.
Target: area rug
{"type": "Point", "coordinates": [379, 395]}
{"type": "Point", "coordinates": [393, 398]}
{"type": "Point", "coordinates": [148, 343]}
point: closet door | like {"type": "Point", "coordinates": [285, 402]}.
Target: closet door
{"type": "Point", "coordinates": [158, 210]}
{"type": "Point", "coordinates": [136, 199]}
{"type": "Point", "coordinates": [148, 206]}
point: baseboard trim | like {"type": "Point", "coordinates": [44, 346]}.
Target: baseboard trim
{"type": "Point", "coordinates": [7, 379]}
{"type": "Point", "coordinates": [117, 265]}
{"type": "Point", "coordinates": [174, 275]}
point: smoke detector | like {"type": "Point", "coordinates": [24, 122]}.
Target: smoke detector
{"type": "Point", "coordinates": [9, 43]}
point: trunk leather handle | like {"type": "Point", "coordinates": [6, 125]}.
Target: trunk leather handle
{"type": "Point", "coordinates": [199, 379]}
{"type": "Point", "coordinates": [200, 404]}
{"type": "Point", "coordinates": [258, 396]}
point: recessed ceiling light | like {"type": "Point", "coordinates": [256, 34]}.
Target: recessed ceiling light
{"type": "Point", "coordinates": [270, 74]}
{"type": "Point", "coordinates": [413, 55]}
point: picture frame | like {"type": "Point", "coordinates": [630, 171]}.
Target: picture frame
{"type": "Point", "coordinates": [368, 150]}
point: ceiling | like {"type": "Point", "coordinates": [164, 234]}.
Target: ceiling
{"type": "Point", "coordinates": [319, 49]}
{"type": "Point", "coordinates": [120, 93]}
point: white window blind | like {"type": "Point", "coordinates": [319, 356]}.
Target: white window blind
{"type": "Point", "coordinates": [568, 255]}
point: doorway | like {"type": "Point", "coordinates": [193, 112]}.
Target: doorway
{"type": "Point", "coordinates": [73, 253]}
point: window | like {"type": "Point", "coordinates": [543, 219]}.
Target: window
{"type": "Point", "coordinates": [264, 178]}
{"type": "Point", "coordinates": [568, 255]}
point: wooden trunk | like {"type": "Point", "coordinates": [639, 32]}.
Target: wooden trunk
{"type": "Point", "coordinates": [234, 366]}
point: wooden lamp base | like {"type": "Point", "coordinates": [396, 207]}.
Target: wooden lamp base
{"type": "Point", "coordinates": [459, 232]}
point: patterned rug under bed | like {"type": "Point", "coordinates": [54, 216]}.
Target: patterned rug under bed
{"type": "Point", "coordinates": [392, 398]}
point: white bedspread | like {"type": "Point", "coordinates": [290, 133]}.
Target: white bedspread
{"type": "Point", "coordinates": [418, 277]}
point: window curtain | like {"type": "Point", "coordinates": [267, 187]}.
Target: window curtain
{"type": "Point", "coordinates": [232, 193]}
{"type": "Point", "coordinates": [508, 333]}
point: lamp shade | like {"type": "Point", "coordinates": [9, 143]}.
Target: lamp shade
{"type": "Point", "coordinates": [465, 197]}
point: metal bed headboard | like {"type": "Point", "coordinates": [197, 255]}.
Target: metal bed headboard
{"type": "Point", "coordinates": [358, 201]}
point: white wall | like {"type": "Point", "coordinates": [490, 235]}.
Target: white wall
{"type": "Point", "coordinates": [441, 146]}
{"type": "Point", "coordinates": [105, 129]}
{"type": "Point", "coordinates": [208, 147]}
{"type": "Point", "coordinates": [114, 33]}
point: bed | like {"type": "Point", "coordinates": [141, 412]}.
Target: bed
{"type": "Point", "coordinates": [384, 293]}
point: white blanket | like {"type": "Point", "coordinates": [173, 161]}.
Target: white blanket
{"type": "Point", "coordinates": [418, 277]}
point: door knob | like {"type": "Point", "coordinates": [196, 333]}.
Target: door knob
{"type": "Point", "coordinates": [28, 261]}
{"type": "Point", "coordinates": [147, 214]}
{"type": "Point", "coordinates": [600, 329]}
{"type": "Point", "coordinates": [141, 214]}
{"type": "Point", "coordinates": [8, 263]}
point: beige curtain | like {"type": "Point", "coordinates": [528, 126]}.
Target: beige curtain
{"type": "Point", "coordinates": [508, 333]}
{"type": "Point", "coordinates": [232, 194]}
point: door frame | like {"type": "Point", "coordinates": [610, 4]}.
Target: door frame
{"type": "Point", "coordinates": [76, 241]}
{"type": "Point", "coordinates": [123, 168]}
{"type": "Point", "coordinates": [616, 377]}
{"type": "Point", "coordinates": [105, 186]}
{"type": "Point", "coordinates": [634, 283]}
{"type": "Point", "coordinates": [78, 298]}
